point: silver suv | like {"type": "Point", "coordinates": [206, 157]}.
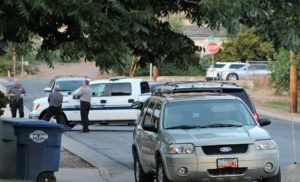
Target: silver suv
{"type": "Point", "coordinates": [202, 137]}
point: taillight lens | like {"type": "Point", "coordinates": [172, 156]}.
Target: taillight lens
{"type": "Point", "coordinates": [256, 116]}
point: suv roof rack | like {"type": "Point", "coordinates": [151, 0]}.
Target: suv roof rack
{"type": "Point", "coordinates": [114, 78]}
{"type": "Point", "coordinates": [175, 87]}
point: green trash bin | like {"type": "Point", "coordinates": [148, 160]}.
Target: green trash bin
{"type": "Point", "coordinates": [8, 149]}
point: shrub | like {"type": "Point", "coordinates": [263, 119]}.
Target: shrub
{"type": "Point", "coordinates": [3, 102]}
{"type": "Point", "coordinates": [280, 71]}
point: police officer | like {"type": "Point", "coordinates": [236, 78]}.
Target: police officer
{"type": "Point", "coordinates": [85, 96]}
{"type": "Point", "coordinates": [55, 100]}
{"type": "Point", "coordinates": [16, 93]}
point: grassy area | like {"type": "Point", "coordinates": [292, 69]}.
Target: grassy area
{"type": "Point", "coordinates": [283, 106]}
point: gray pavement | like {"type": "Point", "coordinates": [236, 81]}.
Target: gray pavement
{"type": "Point", "coordinates": [108, 148]}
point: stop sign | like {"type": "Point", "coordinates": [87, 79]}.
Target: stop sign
{"type": "Point", "coordinates": [212, 47]}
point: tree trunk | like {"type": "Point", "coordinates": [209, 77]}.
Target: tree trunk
{"type": "Point", "coordinates": [14, 60]}
{"type": "Point", "coordinates": [293, 82]}
{"type": "Point", "coordinates": [155, 72]}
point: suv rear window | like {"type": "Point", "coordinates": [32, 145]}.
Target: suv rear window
{"type": "Point", "coordinates": [120, 89]}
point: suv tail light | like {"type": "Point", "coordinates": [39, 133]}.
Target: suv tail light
{"type": "Point", "coordinates": [256, 116]}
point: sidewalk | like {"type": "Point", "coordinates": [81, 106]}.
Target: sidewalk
{"type": "Point", "coordinates": [68, 174]}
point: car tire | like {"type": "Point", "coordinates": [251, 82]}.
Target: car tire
{"type": "Point", "coordinates": [276, 178]}
{"type": "Point", "coordinates": [139, 174]}
{"type": "Point", "coordinates": [46, 177]}
{"type": "Point", "coordinates": [161, 173]}
{"type": "Point", "coordinates": [232, 76]}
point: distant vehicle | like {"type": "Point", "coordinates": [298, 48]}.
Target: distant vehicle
{"type": "Point", "coordinates": [214, 69]}
{"type": "Point", "coordinates": [111, 102]}
{"type": "Point", "coordinates": [251, 71]}
{"type": "Point", "coordinates": [202, 137]}
{"type": "Point", "coordinates": [67, 84]}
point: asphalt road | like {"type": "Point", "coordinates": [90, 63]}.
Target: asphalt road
{"type": "Point", "coordinates": [114, 142]}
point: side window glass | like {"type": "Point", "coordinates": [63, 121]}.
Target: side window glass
{"type": "Point", "coordinates": [252, 67]}
{"type": "Point", "coordinates": [98, 89]}
{"type": "Point", "coordinates": [156, 115]}
{"type": "Point", "coordinates": [147, 123]}
{"type": "Point", "coordinates": [121, 89]}
{"type": "Point", "coordinates": [145, 87]}
{"type": "Point", "coordinates": [51, 84]}
{"type": "Point", "coordinates": [236, 66]}
{"type": "Point", "coordinates": [143, 112]}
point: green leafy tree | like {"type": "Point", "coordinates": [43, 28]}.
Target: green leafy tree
{"type": "Point", "coordinates": [246, 45]}
{"type": "Point", "coordinates": [279, 68]}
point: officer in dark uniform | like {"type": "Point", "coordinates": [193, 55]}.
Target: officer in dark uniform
{"type": "Point", "coordinates": [55, 100]}
{"type": "Point", "coordinates": [16, 93]}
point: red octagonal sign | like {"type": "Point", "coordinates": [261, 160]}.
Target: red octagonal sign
{"type": "Point", "coordinates": [213, 47]}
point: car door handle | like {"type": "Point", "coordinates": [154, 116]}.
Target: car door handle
{"type": "Point", "coordinates": [130, 100]}
{"type": "Point", "coordinates": [103, 101]}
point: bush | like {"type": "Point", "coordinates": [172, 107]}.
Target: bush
{"type": "Point", "coordinates": [280, 71]}
{"type": "Point", "coordinates": [3, 102]}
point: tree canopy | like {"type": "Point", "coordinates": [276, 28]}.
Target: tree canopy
{"type": "Point", "coordinates": [107, 31]}
{"type": "Point", "coordinates": [246, 45]}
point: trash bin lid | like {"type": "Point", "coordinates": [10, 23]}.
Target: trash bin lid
{"type": "Point", "coordinates": [43, 124]}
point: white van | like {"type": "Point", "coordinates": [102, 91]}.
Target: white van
{"type": "Point", "coordinates": [111, 102]}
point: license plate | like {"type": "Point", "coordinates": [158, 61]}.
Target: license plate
{"type": "Point", "coordinates": [225, 163]}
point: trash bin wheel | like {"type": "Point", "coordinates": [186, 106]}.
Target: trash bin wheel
{"type": "Point", "coordinates": [46, 177]}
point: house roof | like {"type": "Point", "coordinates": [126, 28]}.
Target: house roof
{"type": "Point", "coordinates": [195, 31]}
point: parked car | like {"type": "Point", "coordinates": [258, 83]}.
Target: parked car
{"type": "Point", "coordinates": [215, 87]}
{"type": "Point", "coordinates": [111, 101]}
{"type": "Point", "coordinates": [214, 69]}
{"type": "Point", "coordinates": [202, 137]}
{"type": "Point", "coordinates": [251, 71]}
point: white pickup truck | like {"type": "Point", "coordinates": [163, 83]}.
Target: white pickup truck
{"type": "Point", "coordinates": [111, 102]}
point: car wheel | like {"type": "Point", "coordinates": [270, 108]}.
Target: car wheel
{"type": "Point", "coordinates": [276, 178]}
{"type": "Point", "coordinates": [139, 174]}
{"type": "Point", "coordinates": [46, 177]}
{"type": "Point", "coordinates": [161, 173]}
{"type": "Point", "coordinates": [232, 76]}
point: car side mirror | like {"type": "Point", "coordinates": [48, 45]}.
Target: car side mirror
{"type": "Point", "coordinates": [137, 105]}
{"type": "Point", "coordinates": [264, 121]}
{"type": "Point", "coordinates": [150, 127]}
{"type": "Point", "coordinates": [47, 89]}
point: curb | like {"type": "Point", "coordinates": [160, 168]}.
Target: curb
{"type": "Point", "coordinates": [85, 153]}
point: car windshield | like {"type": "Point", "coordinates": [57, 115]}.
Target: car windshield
{"type": "Point", "coordinates": [207, 114]}
{"type": "Point", "coordinates": [69, 85]}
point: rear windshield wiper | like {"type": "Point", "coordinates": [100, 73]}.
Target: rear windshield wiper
{"type": "Point", "coordinates": [186, 127]}
{"type": "Point", "coordinates": [223, 125]}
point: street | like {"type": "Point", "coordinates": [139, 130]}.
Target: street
{"type": "Point", "coordinates": [113, 142]}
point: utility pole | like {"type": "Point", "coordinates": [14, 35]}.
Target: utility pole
{"type": "Point", "coordinates": [14, 60]}
{"type": "Point", "coordinates": [293, 81]}
{"type": "Point", "coordinates": [155, 72]}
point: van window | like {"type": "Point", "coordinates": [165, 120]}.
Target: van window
{"type": "Point", "coordinates": [145, 87]}
{"type": "Point", "coordinates": [98, 89]}
{"type": "Point", "coordinates": [121, 89]}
